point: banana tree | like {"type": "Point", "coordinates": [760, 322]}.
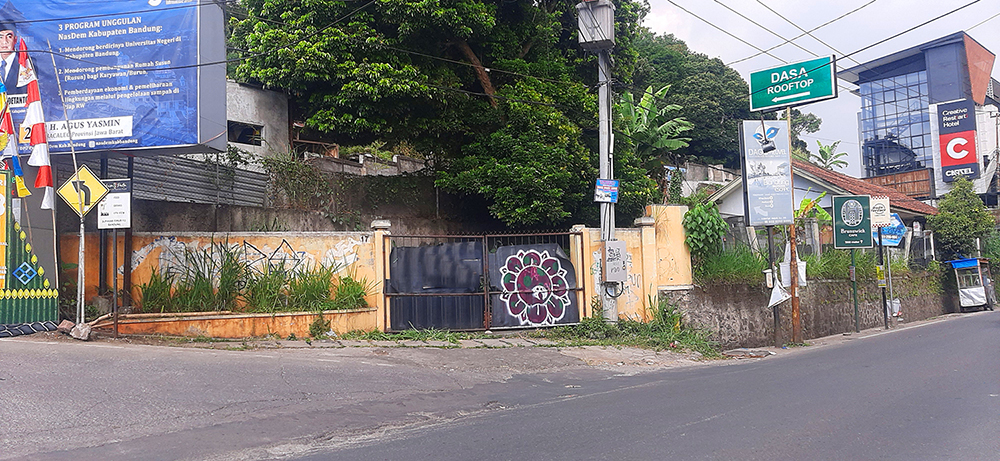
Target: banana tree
{"type": "Point", "coordinates": [653, 132]}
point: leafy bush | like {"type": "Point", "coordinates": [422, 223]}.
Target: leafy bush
{"type": "Point", "coordinates": [961, 219]}
{"type": "Point", "coordinates": [350, 292]}
{"type": "Point", "coordinates": [703, 230]}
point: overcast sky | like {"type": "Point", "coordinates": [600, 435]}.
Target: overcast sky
{"type": "Point", "coordinates": [876, 21]}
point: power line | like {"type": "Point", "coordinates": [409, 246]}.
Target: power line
{"type": "Point", "coordinates": [776, 35]}
{"type": "Point", "coordinates": [984, 21]}
{"type": "Point", "coordinates": [803, 30]}
{"type": "Point", "coordinates": [768, 30]}
{"type": "Point", "coordinates": [912, 28]}
{"type": "Point", "coordinates": [814, 29]}
{"type": "Point", "coordinates": [725, 31]}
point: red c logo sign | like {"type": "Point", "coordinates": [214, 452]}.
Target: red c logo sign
{"type": "Point", "coordinates": [950, 149]}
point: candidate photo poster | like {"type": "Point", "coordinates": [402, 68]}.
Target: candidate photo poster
{"type": "Point", "coordinates": [128, 71]}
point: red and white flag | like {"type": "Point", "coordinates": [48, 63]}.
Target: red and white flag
{"type": "Point", "coordinates": [34, 124]}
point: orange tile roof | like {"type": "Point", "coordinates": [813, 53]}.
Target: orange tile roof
{"type": "Point", "coordinates": [859, 187]}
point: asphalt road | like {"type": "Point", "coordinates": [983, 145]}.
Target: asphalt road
{"type": "Point", "coordinates": [922, 392]}
{"type": "Point", "coordinates": [925, 393]}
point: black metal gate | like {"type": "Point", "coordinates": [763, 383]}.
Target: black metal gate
{"type": "Point", "coordinates": [481, 282]}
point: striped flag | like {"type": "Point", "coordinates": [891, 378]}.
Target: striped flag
{"type": "Point", "coordinates": [33, 128]}
{"type": "Point", "coordinates": [8, 144]}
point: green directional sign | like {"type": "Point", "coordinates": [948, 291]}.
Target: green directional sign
{"type": "Point", "coordinates": [793, 84]}
{"type": "Point", "coordinates": [852, 223]}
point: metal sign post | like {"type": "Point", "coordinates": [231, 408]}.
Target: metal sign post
{"type": "Point", "coordinates": [852, 229]}
{"type": "Point", "coordinates": [115, 212]}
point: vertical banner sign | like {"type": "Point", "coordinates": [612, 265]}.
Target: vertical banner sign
{"type": "Point", "coordinates": [767, 173]}
{"type": "Point", "coordinates": [852, 227]}
{"type": "Point", "coordinates": [4, 238]}
{"type": "Point", "coordinates": [881, 216]}
{"type": "Point", "coordinates": [957, 125]}
{"type": "Point", "coordinates": [115, 210]}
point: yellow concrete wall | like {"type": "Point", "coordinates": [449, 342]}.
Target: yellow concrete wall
{"type": "Point", "coordinates": [657, 259]}
{"type": "Point", "coordinates": [673, 258]}
{"type": "Point", "coordinates": [282, 325]}
{"type": "Point", "coordinates": [352, 252]}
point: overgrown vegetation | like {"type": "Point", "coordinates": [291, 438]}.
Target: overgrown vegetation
{"type": "Point", "coordinates": [666, 330]}
{"type": "Point", "coordinates": [217, 279]}
{"type": "Point", "coordinates": [738, 265]}
{"type": "Point", "coordinates": [703, 231]}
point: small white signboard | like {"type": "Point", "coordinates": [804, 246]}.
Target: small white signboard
{"type": "Point", "coordinates": [881, 217]}
{"type": "Point", "coordinates": [115, 211]}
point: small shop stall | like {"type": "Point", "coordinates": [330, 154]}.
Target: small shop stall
{"type": "Point", "coordinates": [975, 283]}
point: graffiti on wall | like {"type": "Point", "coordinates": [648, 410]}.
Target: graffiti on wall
{"type": "Point", "coordinates": [631, 289]}
{"type": "Point", "coordinates": [174, 253]}
{"type": "Point", "coordinates": [535, 289]}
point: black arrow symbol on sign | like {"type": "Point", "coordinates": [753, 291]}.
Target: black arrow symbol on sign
{"type": "Point", "coordinates": [80, 185]}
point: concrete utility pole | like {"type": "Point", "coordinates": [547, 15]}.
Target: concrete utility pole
{"type": "Point", "coordinates": [597, 34]}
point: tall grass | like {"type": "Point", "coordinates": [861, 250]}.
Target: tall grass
{"type": "Point", "coordinates": [155, 293]}
{"type": "Point", "coordinates": [265, 292]}
{"type": "Point", "coordinates": [217, 278]}
{"type": "Point", "coordinates": [350, 292]}
{"type": "Point", "coordinates": [309, 290]}
{"type": "Point", "coordinates": [738, 265]}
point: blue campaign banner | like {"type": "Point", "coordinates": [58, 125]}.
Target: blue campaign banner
{"type": "Point", "coordinates": [127, 71]}
{"type": "Point", "coordinates": [892, 235]}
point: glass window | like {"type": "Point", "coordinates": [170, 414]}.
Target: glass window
{"type": "Point", "coordinates": [245, 133]}
{"type": "Point", "coordinates": [889, 96]}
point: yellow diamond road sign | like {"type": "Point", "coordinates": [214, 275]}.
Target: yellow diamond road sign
{"type": "Point", "coordinates": [82, 191]}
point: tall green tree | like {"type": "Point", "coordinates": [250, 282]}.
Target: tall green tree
{"type": "Point", "coordinates": [463, 81]}
{"type": "Point", "coordinates": [653, 131]}
{"type": "Point", "coordinates": [803, 123]}
{"type": "Point", "coordinates": [961, 219]}
{"type": "Point", "coordinates": [712, 95]}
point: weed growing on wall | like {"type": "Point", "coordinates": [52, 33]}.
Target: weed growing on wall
{"type": "Point", "coordinates": [665, 331]}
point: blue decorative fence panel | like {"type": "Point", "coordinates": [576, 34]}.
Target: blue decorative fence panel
{"type": "Point", "coordinates": [479, 282]}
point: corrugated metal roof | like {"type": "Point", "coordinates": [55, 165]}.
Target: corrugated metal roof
{"type": "Point", "coordinates": [181, 179]}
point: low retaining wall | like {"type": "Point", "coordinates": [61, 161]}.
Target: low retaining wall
{"type": "Point", "coordinates": [236, 326]}
{"type": "Point", "coordinates": [738, 316]}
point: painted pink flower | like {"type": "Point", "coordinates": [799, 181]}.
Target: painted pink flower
{"type": "Point", "coordinates": [534, 288]}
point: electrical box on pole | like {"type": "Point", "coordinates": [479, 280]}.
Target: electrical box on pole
{"type": "Point", "coordinates": [596, 19]}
